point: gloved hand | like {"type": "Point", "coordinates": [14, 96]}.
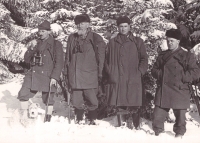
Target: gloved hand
{"type": "Point", "coordinates": [53, 82]}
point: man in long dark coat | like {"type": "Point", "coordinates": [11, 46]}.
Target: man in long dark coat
{"type": "Point", "coordinates": [126, 62]}
{"type": "Point", "coordinates": [83, 67]}
{"type": "Point", "coordinates": [44, 72]}
{"type": "Point", "coordinates": [173, 69]}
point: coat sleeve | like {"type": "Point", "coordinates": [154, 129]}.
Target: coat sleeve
{"type": "Point", "coordinates": [67, 55]}
{"type": "Point", "coordinates": [101, 53]}
{"type": "Point", "coordinates": [143, 61]}
{"type": "Point", "coordinates": [193, 71]}
{"type": "Point", "coordinates": [157, 70]}
{"type": "Point", "coordinates": [59, 59]}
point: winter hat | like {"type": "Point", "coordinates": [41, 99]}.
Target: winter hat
{"type": "Point", "coordinates": [174, 33]}
{"type": "Point", "coordinates": [45, 25]}
{"type": "Point", "coordinates": [81, 18]}
{"type": "Point", "coordinates": [123, 19]}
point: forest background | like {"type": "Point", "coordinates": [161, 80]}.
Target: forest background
{"type": "Point", "coordinates": [150, 20]}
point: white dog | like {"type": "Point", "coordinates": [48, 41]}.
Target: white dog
{"type": "Point", "coordinates": [34, 110]}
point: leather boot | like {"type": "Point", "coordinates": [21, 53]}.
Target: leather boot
{"type": "Point", "coordinates": [79, 115]}
{"type": "Point", "coordinates": [136, 119]}
{"type": "Point", "coordinates": [92, 116]}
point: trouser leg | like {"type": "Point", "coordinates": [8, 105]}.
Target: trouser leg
{"type": "Point", "coordinates": [78, 103]}
{"type": "Point", "coordinates": [45, 98]}
{"type": "Point", "coordinates": [159, 116]}
{"type": "Point", "coordinates": [92, 102]}
{"type": "Point", "coordinates": [132, 116]}
{"type": "Point", "coordinates": [136, 116]}
{"type": "Point", "coordinates": [180, 123]}
{"type": "Point", "coordinates": [25, 94]}
{"type": "Point", "coordinates": [50, 101]}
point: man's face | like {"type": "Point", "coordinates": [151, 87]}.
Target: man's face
{"type": "Point", "coordinates": [83, 26]}
{"type": "Point", "coordinates": [43, 34]}
{"type": "Point", "coordinates": [124, 28]}
{"type": "Point", "coordinates": [172, 43]}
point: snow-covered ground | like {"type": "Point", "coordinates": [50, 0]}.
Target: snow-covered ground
{"type": "Point", "coordinates": [60, 131]}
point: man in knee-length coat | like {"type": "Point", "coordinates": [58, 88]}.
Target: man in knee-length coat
{"type": "Point", "coordinates": [173, 69]}
{"type": "Point", "coordinates": [126, 62]}
{"type": "Point", "coordinates": [44, 72]}
{"type": "Point", "coordinates": [82, 69]}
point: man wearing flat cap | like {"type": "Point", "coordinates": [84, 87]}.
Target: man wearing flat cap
{"type": "Point", "coordinates": [173, 69]}
{"type": "Point", "coordinates": [83, 67]}
{"type": "Point", "coordinates": [46, 64]}
{"type": "Point", "coordinates": [126, 62]}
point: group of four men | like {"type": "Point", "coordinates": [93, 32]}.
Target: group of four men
{"type": "Point", "coordinates": [124, 60]}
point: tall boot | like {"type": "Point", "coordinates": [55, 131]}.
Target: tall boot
{"type": "Point", "coordinates": [121, 118]}
{"type": "Point", "coordinates": [92, 116]}
{"type": "Point", "coordinates": [49, 114]}
{"type": "Point", "coordinates": [136, 119]}
{"type": "Point", "coordinates": [79, 115]}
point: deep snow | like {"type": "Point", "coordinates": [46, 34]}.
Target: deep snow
{"type": "Point", "coordinates": [60, 131]}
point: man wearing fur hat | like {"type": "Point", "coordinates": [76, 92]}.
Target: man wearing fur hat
{"type": "Point", "coordinates": [83, 67]}
{"type": "Point", "coordinates": [46, 61]}
{"type": "Point", "coordinates": [173, 69]}
{"type": "Point", "coordinates": [126, 62]}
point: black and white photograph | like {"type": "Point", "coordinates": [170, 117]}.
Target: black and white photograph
{"type": "Point", "coordinates": [99, 71]}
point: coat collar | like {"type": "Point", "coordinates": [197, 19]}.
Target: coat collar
{"type": "Point", "coordinates": [50, 40]}
{"type": "Point", "coordinates": [130, 37]}
{"type": "Point", "coordinates": [169, 54]}
{"type": "Point", "coordinates": [179, 55]}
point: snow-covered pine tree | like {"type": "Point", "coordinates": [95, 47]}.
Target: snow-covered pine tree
{"type": "Point", "coordinates": [19, 19]}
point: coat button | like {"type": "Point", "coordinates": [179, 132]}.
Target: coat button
{"type": "Point", "coordinates": [42, 72]}
{"type": "Point", "coordinates": [33, 71]}
{"type": "Point", "coordinates": [165, 83]}
{"type": "Point", "coordinates": [44, 55]}
{"type": "Point", "coordinates": [122, 46]}
{"type": "Point", "coordinates": [121, 55]}
{"type": "Point", "coordinates": [121, 65]}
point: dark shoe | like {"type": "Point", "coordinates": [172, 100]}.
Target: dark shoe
{"type": "Point", "coordinates": [92, 115]}
{"type": "Point", "coordinates": [47, 118]}
{"type": "Point", "coordinates": [92, 122]}
{"type": "Point", "coordinates": [157, 133]}
{"type": "Point", "coordinates": [136, 118]}
{"type": "Point", "coordinates": [178, 136]}
{"type": "Point", "coordinates": [79, 114]}
{"type": "Point", "coordinates": [80, 122]}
